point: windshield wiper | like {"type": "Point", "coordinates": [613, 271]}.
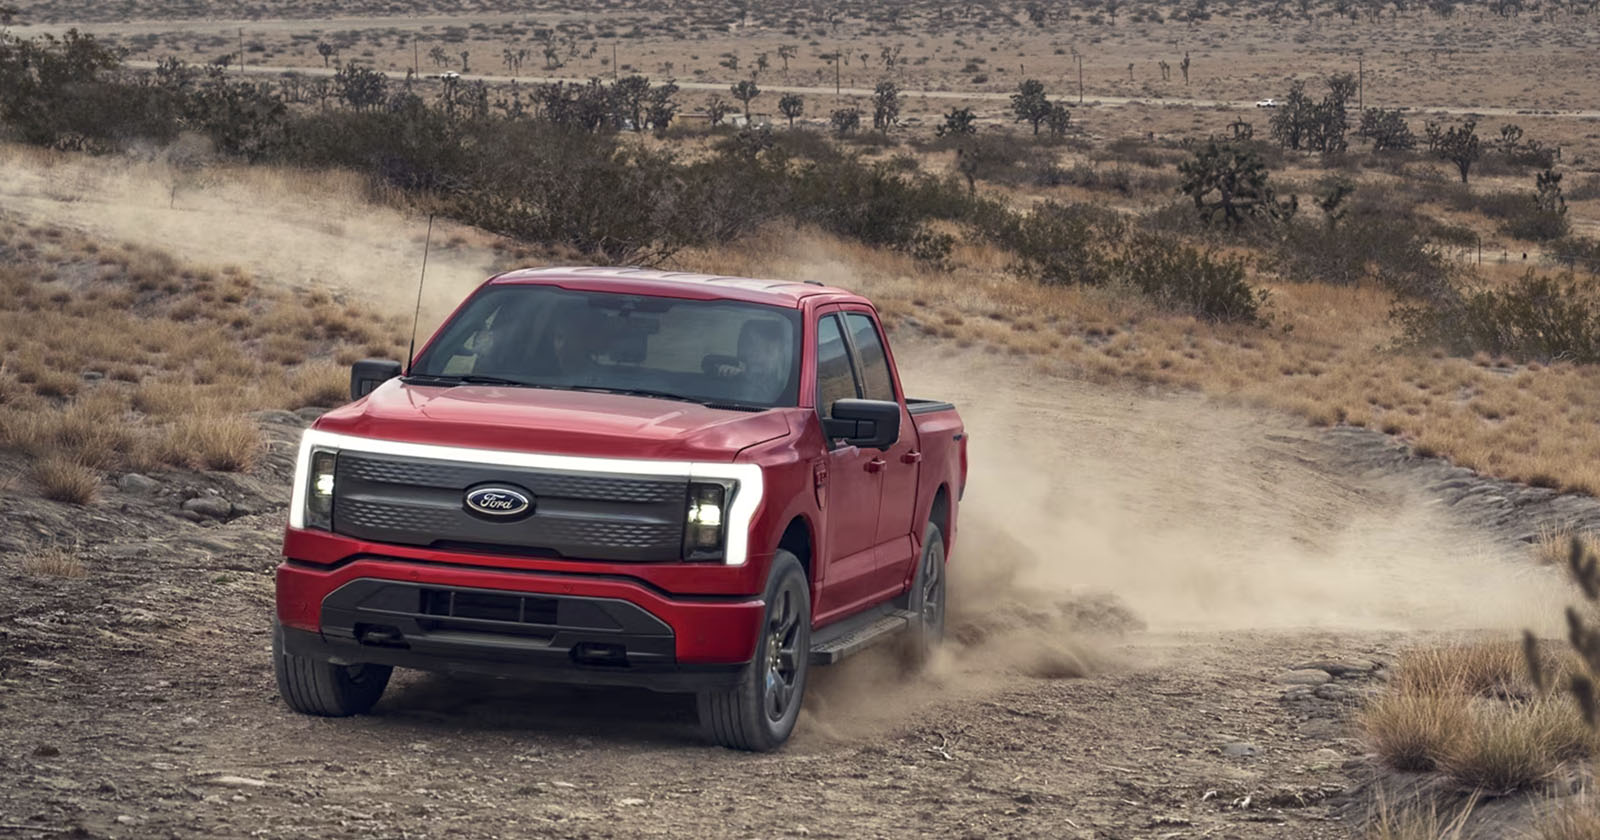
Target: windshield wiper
{"type": "Point", "coordinates": [469, 379]}
{"type": "Point", "coordinates": [667, 395]}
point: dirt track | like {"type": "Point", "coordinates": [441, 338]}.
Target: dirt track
{"type": "Point", "coordinates": [140, 703]}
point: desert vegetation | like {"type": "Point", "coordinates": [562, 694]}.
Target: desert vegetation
{"type": "Point", "coordinates": [1331, 265]}
{"type": "Point", "coordinates": [118, 359]}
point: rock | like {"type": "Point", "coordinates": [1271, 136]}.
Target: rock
{"type": "Point", "coordinates": [310, 413]}
{"type": "Point", "coordinates": [46, 751]}
{"type": "Point", "coordinates": [1304, 676]}
{"type": "Point", "coordinates": [630, 802]}
{"type": "Point", "coordinates": [138, 484]}
{"type": "Point", "coordinates": [1239, 749]}
{"type": "Point", "coordinates": [93, 375]}
{"type": "Point", "coordinates": [1335, 692]}
{"type": "Point", "coordinates": [209, 506]}
{"type": "Point", "coordinates": [1339, 667]}
{"type": "Point", "coordinates": [190, 722]}
{"type": "Point", "coordinates": [124, 819]}
{"type": "Point", "coordinates": [235, 782]}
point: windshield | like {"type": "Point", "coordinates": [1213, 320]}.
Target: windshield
{"type": "Point", "coordinates": [709, 351]}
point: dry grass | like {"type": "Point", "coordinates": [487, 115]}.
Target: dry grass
{"type": "Point", "coordinates": [1472, 712]}
{"type": "Point", "coordinates": [1392, 823]}
{"type": "Point", "coordinates": [1517, 746]}
{"type": "Point", "coordinates": [64, 480]}
{"type": "Point", "coordinates": [1411, 731]}
{"type": "Point", "coordinates": [1554, 547]}
{"type": "Point", "coordinates": [54, 563]}
{"type": "Point", "coordinates": [1577, 819]}
{"type": "Point", "coordinates": [121, 358]}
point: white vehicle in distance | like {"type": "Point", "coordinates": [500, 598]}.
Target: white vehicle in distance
{"type": "Point", "coordinates": [1267, 103]}
{"type": "Point", "coordinates": [448, 75]}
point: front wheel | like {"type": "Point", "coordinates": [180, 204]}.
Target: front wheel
{"type": "Point", "coordinates": [312, 687]}
{"type": "Point", "coordinates": [759, 713]}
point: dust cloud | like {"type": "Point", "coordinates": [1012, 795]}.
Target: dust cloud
{"type": "Point", "coordinates": [303, 229]}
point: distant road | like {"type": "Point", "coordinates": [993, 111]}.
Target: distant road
{"type": "Point", "coordinates": [959, 95]}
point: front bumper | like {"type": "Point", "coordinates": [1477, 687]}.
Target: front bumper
{"type": "Point", "coordinates": [546, 626]}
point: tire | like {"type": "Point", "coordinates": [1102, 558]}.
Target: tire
{"type": "Point", "coordinates": [927, 599]}
{"type": "Point", "coordinates": [760, 712]}
{"type": "Point", "coordinates": [312, 687]}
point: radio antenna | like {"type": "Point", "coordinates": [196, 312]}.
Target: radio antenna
{"type": "Point", "coordinates": [427, 243]}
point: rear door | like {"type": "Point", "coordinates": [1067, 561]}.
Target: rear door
{"type": "Point", "coordinates": [854, 486]}
{"type": "Point", "coordinates": [900, 465]}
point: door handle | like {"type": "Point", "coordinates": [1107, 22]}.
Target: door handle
{"type": "Point", "coordinates": [876, 465]}
{"type": "Point", "coordinates": [912, 457]}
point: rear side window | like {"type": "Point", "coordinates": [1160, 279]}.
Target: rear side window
{"type": "Point", "coordinates": [835, 381]}
{"type": "Point", "coordinates": [876, 380]}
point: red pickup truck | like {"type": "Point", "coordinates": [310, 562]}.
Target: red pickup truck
{"type": "Point", "coordinates": [690, 483]}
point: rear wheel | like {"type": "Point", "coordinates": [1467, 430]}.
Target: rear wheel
{"type": "Point", "coordinates": [313, 687]}
{"type": "Point", "coordinates": [760, 712]}
{"type": "Point", "coordinates": [927, 598]}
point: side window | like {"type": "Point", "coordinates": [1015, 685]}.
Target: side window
{"type": "Point", "coordinates": [876, 380]}
{"type": "Point", "coordinates": [835, 381]}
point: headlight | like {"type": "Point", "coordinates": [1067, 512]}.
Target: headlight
{"type": "Point", "coordinates": [705, 526]}
{"type": "Point", "coordinates": [319, 488]}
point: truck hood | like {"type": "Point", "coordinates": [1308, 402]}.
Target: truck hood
{"type": "Point", "coordinates": [555, 422]}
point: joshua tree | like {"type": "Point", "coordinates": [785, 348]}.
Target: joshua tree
{"type": "Point", "coordinates": [1185, 68]}
{"type": "Point", "coordinates": [439, 56]}
{"type": "Point", "coordinates": [1228, 184]}
{"type": "Point", "coordinates": [744, 92]}
{"type": "Point", "coordinates": [1059, 120]}
{"type": "Point", "coordinates": [325, 50]}
{"type": "Point", "coordinates": [959, 122]}
{"type": "Point", "coordinates": [716, 109]}
{"type": "Point", "coordinates": [464, 57]}
{"type": "Point", "coordinates": [1460, 146]}
{"type": "Point", "coordinates": [845, 121]}
{"type": "Point", "coordinates": [1030, 104]}
{"type": "Point", "coordinates": [885, 106]}
{"type": "Point", "coordinates": [791, 106]}
{"type": "Point", "coordinates": [785, 52]}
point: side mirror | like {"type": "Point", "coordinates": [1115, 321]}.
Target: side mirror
{"type": "Point", "coordinates": [869, 424]}
{"type": "Point", "coordinates": [367, 374]}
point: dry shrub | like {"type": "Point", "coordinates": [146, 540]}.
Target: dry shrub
{"type": "Point", "coordinates": [1515, 746]}
{"type": "Point", "coordinates": [321, 384]}
{"type": "Point", "coordinates": [64, 480]}
{"type": "Point", "coordinates": [54, 563]}
{"type": "Point", "coordinates": [1390, 823]}
{"type": "Point", "coordinates": [224, 442]}
{"type": "Point", "coordinates": [1480, 668]}
{"type": "Point", "coordinates": [1411, 731]}
{"type": "Point", "coordinates": [1577, 819]}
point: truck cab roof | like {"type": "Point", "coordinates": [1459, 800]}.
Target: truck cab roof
{"type": "Point", "coordinates": [645, 281]}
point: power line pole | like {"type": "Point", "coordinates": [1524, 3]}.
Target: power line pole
{"type": "Point", "coordinates": [416, 55]}
{"type": "Point", "coordinates": [613, 61]}
{"type": "Point", "coordinates": [1080, 78]}
{"type": "Point", "coordinates": [241, 51]}
{"type": "Point", "coordinates": [1361, 82]}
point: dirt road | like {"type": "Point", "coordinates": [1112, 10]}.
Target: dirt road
{"type": "Point", "coordinates": [939, 95]}
{"type": "Point", "coordinates": [1136, 575]}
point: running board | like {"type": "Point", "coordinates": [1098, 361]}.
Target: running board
{"type": "Point", "coordinates": [858, 633]}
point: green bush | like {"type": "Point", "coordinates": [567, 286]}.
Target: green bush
{"type": "Point", "coordinates": [1183, 277]}
{"type": "Point", "coordinates": [1537, 318]}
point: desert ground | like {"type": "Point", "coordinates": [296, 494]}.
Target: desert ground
{"type": "Point", "coordinates": [1195, 556]}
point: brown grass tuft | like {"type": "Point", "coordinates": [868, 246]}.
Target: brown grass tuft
{"type": "Point", "coordinates": [224, 442]}
{"type": "Point", "coordinates": [1516, 746]}
{"type": "Point", "coordinates": [63, 480]}
{"type": "Point", "coordinates": [54, 563]}
{"type": "Point", "coordinates": [1410, 732]}
{"type": "Point", "coordinates": [1578, 819]}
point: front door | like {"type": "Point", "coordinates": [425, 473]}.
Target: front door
{"type": "Point", "coordinates": [854, 486]}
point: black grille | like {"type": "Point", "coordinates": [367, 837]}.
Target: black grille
{"type": "Point", "coordinates": [583, 516]}
{"type": "Point", "coordinates": [482, 606]}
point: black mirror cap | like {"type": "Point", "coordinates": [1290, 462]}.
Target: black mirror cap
{"type": "Point", "coordinates": [367, 374]}
{"type": "Point", "coordinates": [869, 424]}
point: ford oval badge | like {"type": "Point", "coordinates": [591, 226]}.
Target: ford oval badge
{"type": "Point", "coordinates": [499, 502]}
